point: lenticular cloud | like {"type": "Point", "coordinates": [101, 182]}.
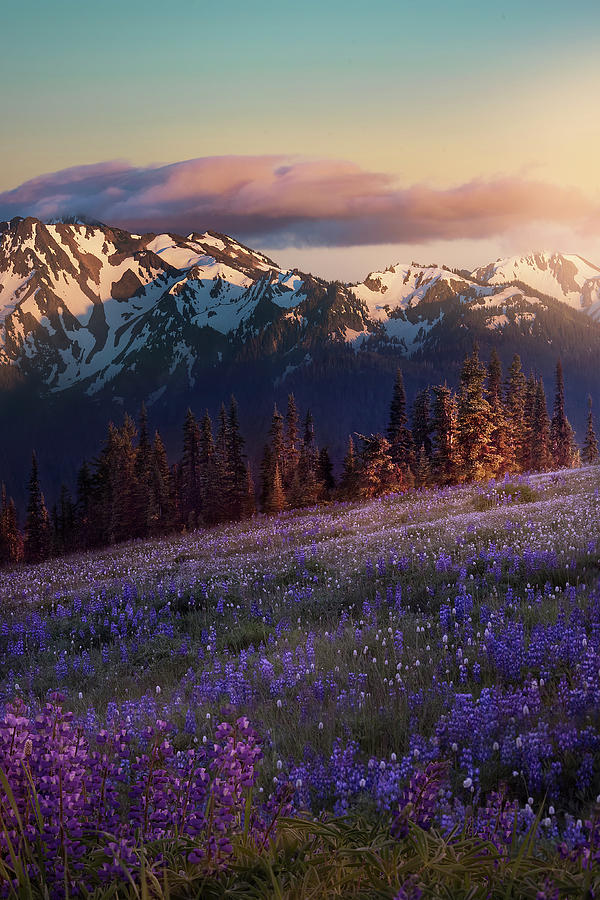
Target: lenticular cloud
{"type": "Point", "coordinates": [295, 202]}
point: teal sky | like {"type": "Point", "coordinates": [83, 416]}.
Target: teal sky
{"type": "Point", "coordinates": [436, 92]}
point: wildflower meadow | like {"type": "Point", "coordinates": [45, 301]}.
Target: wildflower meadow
{"type": "Point", "coordinates": [397, 698]}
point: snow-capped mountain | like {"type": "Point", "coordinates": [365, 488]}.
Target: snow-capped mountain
{"type": "Point", "coordinates": [84, 304]}
{"type": "Point", "coordinates": [566, 277]}
{"type": "Point", "coordinates": [78, 301]}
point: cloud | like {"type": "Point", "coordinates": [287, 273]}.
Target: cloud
{"type": "Point", "coordinates": [287, 201]}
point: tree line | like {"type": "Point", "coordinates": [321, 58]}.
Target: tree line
{"type": "Point", "coordinates": [488, 427]}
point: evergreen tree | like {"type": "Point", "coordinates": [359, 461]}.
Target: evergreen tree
{"type": "Point", "coordinates": [325, 473]}
{"type": "Point", "coordinates": [474, 422]}
{"type": "Point", "coordinates": [516, 388]}
{"type": "Point", "coordinates": [236, 464]}
{"type": "Point", "coordinates": [266, 478]}
{"type": "Point", "coordinates": [222, 476]}
{"type": "Point", "coordinates": [398, 433]}
{"type": "Point", "coordinates": [377, 473]}
{"type": "Point", "coordinates": [11, 542]}
{"type": "Point", "coordinates": [161, 487]}
{"type": "Point", "coordinates": [64, 522]}
{"type": "Point", "coordinates": [292, 454]}
{"type": "Point", "coordinates": [503, 448]}
{"type": "Point", "coordinates": [422, 472]}
{"type": "Point", "coordinates": [528, 441]}
{"type": "Point", "coordinates": [421, 422]}
{"type": "Point", "coordinates": [277, 440]}
{"type": "Point", "coordinates": [144, 505]}
{"type": "Point", "coordinates": [192, 472]}
{"type": "Point", "coordinates": [349, 481]}
{"type": "Point", "coordinates": [85, 527]}
{"type": "Point", "coordinates": [209, 473]}
{"type": "Point", "coordinates": [276, 498]}
{"type": "Point", "coordinates": [589, 452]}
{"type": "Point", "coordinates": [541, 450]}
{"type": "Point", "coordinates": [249, 497]}
{"type": "Point", "coordinates": [445, 460]}
{"type": "Point", "coordinates": [37, 526]}
{"type": "Point", "coordinates": [307, 484]}
{"type": "Point", "coordinates": [562, 439]}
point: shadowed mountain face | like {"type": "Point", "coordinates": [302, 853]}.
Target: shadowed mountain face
{"type": "Point", "coordinates": [95, 320]}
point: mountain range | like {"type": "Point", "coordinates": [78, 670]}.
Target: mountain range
{"type": "Point", "coordinates": [97, 319]}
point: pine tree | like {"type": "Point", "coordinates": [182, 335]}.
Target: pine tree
{"type": "Point", "coordinates": [236, 463]}
{"type": "Point", "coordinates": [589, 451]}
{"type": "Point", "coordinates": [398, 433]}
{"type": "Point", "coordinates": [422, 472]}
{"type": "Point", "coordinates": [192, 472]}
{"type": "Point", "coordinates": [277, 440]}
{"type": "Point", "coordinates": [292, 454]}
{"type": "Point", "coordinates": [144, 506]}
{"type": "Point", "coordinates": [503, 449]}
{"type": "Point", "coordinates": [445, 460]}
{"type": "Point", "coordinates": [307, 485]}
{"type": "Point", "coordinates": [377, 473]}
{"type": "Point", "coordinates": [541, 450]}
{"type": "Point", "coordinates": [516, 389]}
{"type": "Point", "coordinates": [349, 482]}
{"type": "Point", "coordinates": [64, 522]}
{"type": "Point", "coordinates": [161, 487]}
{"type": "Point", "coordinates": [85, 527]}
{"type": "Point", "coordinates": [474, 422]}
{"type": "Point", "coordinates": [249, 508]}
{"type": "Point", "coordinates": [528, 437]}
{"type": "Point", "coordinates": [562, 439]}
{"type": "Point", "coordinates": [266, 478]}
{"type": "Point", "coordinates": [209, 473]}
{"type": "Point", "coordinates": [11, 542]}
{"type": "Point", "coordinates": [222, 476]}
{"type": "Point", "coordinates": [276, 499]}
{"type": "Point", "coordinates": [325, 473]}
{"type": "Point", "coordinates": [37, 526]}
{"type": "Point", "coordinates": [421, 422]}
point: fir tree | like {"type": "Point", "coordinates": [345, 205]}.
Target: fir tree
{"type": "Point", "coordinates": [86, 534]}
{"type": "Point", "coordinates": [421, 422]}
{"type": "Point", "coordinates": [209, 473]}
{"type": "Point", "coordinates": [503, 449]}
{"type": "Point", "coordinates": [528, 439]}
{"type": "Point", "coordinates": [541, 450]}
{"type": "Point", "coordinates": [377, 473]}
{"type": "Point", "coordinates": [192, 473]}
{"type": "Point", "coordinates": [589, 451]}
{"type": "Point", "coordinates": [445, 460]}
{"type": "Point", "coordinates": [222, 476]}
{"type": "Point", "coordinates": [236, 463]}
{"type": "Point", "coordinates": [349, 481]}
{"type": "Point", "coordinates": [307, 483]}
{"type": "Point", "coordinates": [292, 454]}
{"type": "Point", "coordinates": [161, 487]}
{"type": "Point", "coordinates": [325, 473]}
{"type": "Point", "coordinates": [562, 440]}
{"type": "Point", "coordinates": [249, 496]}
{"type": "Point", "coordinates": [516, 389]}
{"type": "Point", "coordinates": [266, 478]}
{"type": "Point", "coordinates": [422, 471]}
{"type": "Point", "coordinates": [276, 498]}
{"type": "Point", "coordinates": [474, 422]}
{"type": "Point", "coordinates": [145, 511]}
{"type": "Point", "coordinates": [11, 542]}
{"type": "Point", "coordinates": [399, 435]}
{"type": "Point", "coordinates": [37, 526]}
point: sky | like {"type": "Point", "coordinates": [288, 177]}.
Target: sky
{"type": "Point", "coordinates": [336, 136]}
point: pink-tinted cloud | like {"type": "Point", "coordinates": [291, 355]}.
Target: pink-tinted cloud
{"type": "Point", "coordinates": [294, 202]}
